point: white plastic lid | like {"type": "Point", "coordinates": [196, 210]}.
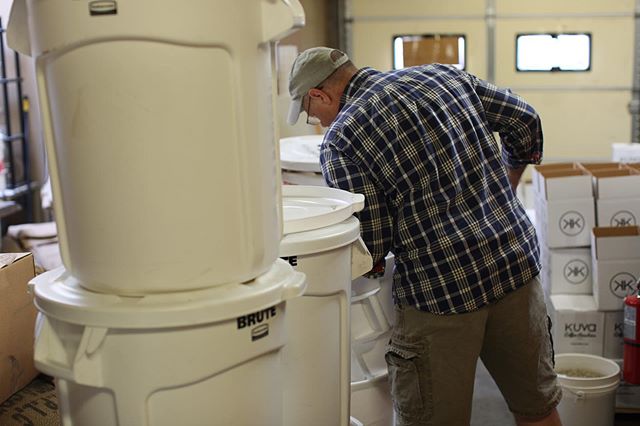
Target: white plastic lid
{"type": "Point", "coordinates": [312, 207]}
{"type": "Point", "coordinates": [301, 153]}
{"type": "Point", "coordinates": [59, 295]}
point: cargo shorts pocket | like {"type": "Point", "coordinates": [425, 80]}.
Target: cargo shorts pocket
{"type": "Point", "coordinates": [409, 386]}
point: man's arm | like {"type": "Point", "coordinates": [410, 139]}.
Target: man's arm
{"type": "Point", "coordinates": [376, 225]}
{"type": "Point", "coordinates": [514, 175]}
{"type": "Point", "coordinates": [516, 121]}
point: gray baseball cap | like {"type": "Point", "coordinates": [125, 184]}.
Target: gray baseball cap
{"type": "Point", "coordinates": [311, 67]}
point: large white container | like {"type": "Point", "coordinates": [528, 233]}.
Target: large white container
{"type": "Point", "coordinates": [300, 160]}
{"type": "Point", "coordinates": [200, 357]}
{"type": "Point", "coordinates": [587, 401]}
{"type": "Point", "coordinates": [322, 240]}
{"type": "Point", "coordinates": [158, 123]}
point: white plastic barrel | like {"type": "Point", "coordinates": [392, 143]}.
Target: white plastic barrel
{"type": "Point", "coordinates": [158, 124]}
{"type": "Point", "coordinates": [300, 160]}
{"type": "Point", "coordinates": [587, 401]}
{"type": "Point", "coordinates": [200, 357]}
{"type": "Point", "coordinates": [322, 240]}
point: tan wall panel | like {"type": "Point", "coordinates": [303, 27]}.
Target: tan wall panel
{"type": "Point", "coordinates": [612, 52]}
{"type": "Point", "coordinates": [372, 41]}
{"type": "Point", "coordinates": [581, 124]}
{"type": "Point", "coordinates": [316, 29]}
{"type": "Point", "coordinates": [563, 6]}
{"type": "Point", "coordinates": [417, 7]}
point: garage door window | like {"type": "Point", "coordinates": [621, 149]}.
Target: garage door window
{"type": "Point", "coordinates": [410, 50]}
{"type": "Point", "coordinates": [553, 52]}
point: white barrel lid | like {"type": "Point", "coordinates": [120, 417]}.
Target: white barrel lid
{"type": "Point", "coordinates": [301, 153]}
{"type": "Point", "coordinates": [322, 239]}
{"type": "Point", "coordinates": [312, 207]}
{"type": "Point", "coordinates": [59, 295]}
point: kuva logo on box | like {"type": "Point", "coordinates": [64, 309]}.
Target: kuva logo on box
{"type": "Point", "coordinates": [576, 271]}
{"type": "Point", "coordinates": [577, 329]}
{"type": "Point", "coordinates": [622, 284]}
{"type": "Point", "coordinates": [571, 223]}
{"type": "Point", "coordinates": [623, 218]}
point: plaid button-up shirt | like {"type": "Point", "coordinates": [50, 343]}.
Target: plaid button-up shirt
{"type": "Point", "coordinates": [419, 144]}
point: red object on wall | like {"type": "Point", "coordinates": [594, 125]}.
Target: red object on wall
{"type": "Point", "coordinates": [631, 360]}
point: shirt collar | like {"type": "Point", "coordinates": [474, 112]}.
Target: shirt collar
{"type": "Point", "coordinates": [355, 83]}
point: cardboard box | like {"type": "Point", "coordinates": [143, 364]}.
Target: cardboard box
{"type": "Point", "coordinates": [536, 173]}
{"type": "Point", "coordinates": [17, 322]}
{"type": "Point", "coordinates": [615, 256]}
{"type": "Point", "coordinates": [568, 271]}
{"type": "Point", "coordinates": [613, 324]}
{"type": "Point", "coordinates": [578, 326]}
{"type": "Point", "coordinates": [565, 224]}
{"type": "Point", "coordinates": [591, 167]}
{"type": "Point", "coordinates": [625, 152]}
{"type": "Point", "coordinates": [620, 183]}
{"type": "Point", "coordinates": [565, 206]}
{"type": "Point", "coordinates": [617, 196]}
{"type": "Point", "coordinates": [618, 212]}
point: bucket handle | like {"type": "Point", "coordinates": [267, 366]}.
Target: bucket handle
{"type": "Point", "coordinates": [580, 394]}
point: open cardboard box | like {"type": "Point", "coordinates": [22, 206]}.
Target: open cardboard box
{"type": "Point", "coordinates": [615, 254]}
{"type": "Point", "coordinates": [536, 178]}
{"type": "Point", "coordinates": [17, 323]}
{"type": "Point", "coordinates": [617, 197]}
{"type": "Point", "coordinates": [565, 207]}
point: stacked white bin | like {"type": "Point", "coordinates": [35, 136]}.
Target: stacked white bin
{"type": "Point", "coordinates": [372, 312]}
{"type": "Point", "coordinates": [322, 240]}
{"type": "Point", "coordinates": [158, 124]}
{"type": "Point", "coordinates": [188, 357]}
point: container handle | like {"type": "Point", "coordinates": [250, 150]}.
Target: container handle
{"type": "Point", "coordinates": [295, 286]}
{"type": "Point", "coordinates": [54, 355]}
{"type": "Point", "coordinates": [583, 393]}
{"type": "Point", "coordinates": [361, 261]}
{"type": "Point", "coordinates": [357, 203]}
{"type": "Point", "coordinates": [280, 18]}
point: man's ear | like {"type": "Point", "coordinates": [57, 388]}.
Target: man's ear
{"type": "Point", "coordinates": [320, 95]}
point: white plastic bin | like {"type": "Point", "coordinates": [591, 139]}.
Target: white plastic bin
{"type": "Point", "coordinates": [300, 160]}
{"type": "Point", "coordinates": [587, 401]}
{"type": "Point", "coordinates": [322, 240]}
{"type": "Point", "coordinates": [158, 124]}
{"type": "Point", "coordinates": [201, 357]}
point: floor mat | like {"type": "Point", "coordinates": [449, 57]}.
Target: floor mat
{"type": "Point", "coordinates": [35, 405]}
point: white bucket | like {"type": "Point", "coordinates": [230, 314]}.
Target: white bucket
{"type": "Point", "coordinates": [300, 160]}
{"type": "Point", "coordinates": [159, 132]}
{"type": "Point", "coordinates": [587, 401]}
{"type": "Point", "coordinates": [324, 244]}
{"type": "Point", "coordinates": [202, 357]}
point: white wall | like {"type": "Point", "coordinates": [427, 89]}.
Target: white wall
{"type": "Point", "coordinates": [582, 113]}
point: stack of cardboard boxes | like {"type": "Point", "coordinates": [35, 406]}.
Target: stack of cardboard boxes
{"type": "Point", "coordinates": [590, 251]}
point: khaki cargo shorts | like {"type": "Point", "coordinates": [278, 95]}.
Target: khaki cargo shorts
{"type": "Point", "coordinates": [432, 359]}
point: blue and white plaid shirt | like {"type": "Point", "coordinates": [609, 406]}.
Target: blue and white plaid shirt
{"type": "Point", "coordinates": [419, 144]}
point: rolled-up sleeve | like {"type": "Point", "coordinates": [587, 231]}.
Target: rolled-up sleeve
{"type": "Point", "coordinates": [376, 226]}
{"type": "Point", "coordinates": [517, 123]}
